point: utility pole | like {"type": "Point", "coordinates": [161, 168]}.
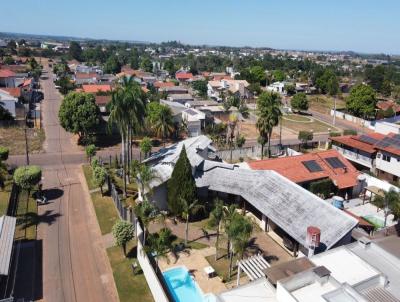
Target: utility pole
{"type": "Point", "coordinates": [26, 147]}
{"type": "Point", "coordinates": [334, 112]}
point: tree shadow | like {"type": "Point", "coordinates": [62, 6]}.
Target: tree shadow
{"type": "Point", "coordinates": [52, 194]}
{"type": "Point", "coordinates": [34, 219]}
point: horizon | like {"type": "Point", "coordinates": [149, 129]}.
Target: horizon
{"type": "Point", "coordinates": [368, 29]}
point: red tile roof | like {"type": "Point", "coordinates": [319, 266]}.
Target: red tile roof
{"type": "Point", "coordinates": [354, 142]}
{"type": "Point", "coordinates": [96, 88]}
{"type": "Point", "coordinates": [292, 167]}
{"type": "Point", "coordinates": [184, 75]}
{"type": "Point", "coordinates": [83, 75]}
{"type": "Point", "coordinates": [385, 105]}
{"type": "Point", "coordinates": [160, 84]}
{"type": "Point", "coordinates": [27, 82]}
{"type": "Point", "coordinates": [15, 92]}
{"type": "Point", "coordinates": [6, 73]}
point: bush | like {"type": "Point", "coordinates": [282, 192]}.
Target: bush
{"type": "Point", "coordinates": [322, 188]}
{"type": "Point", "coordinates": [94, 163]}
{"type": "Point", "coordinates": [4, 152]}
{"type": "Point", "coordinates": [349, 132]}
{"type": "Point", "coordinates": [90, 151]}
{"type": "Point", "coordinates": [27, 177]}
{"type": "Point", "coordinates": [123, 232]}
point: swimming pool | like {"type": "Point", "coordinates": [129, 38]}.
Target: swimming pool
{"type": "Point", "coordinates": [181, 285]}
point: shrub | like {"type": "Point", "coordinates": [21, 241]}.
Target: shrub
{"type": "Point", "coordinates": [4, 152]}
{"type": "Point", "coordinates": [349, 132]}
{"type": "Point", "coordinates": [27, 177]}
{"type": "Point", "coordinates": [123, 232]}
{"type": "Point", "coordinates": [322, 188]}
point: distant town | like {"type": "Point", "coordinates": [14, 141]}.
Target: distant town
{"type": "Point", "coordinates": [172, 172]}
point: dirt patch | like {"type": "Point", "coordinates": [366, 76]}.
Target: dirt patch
{"type": "Point", "coordinates": [14, 139]}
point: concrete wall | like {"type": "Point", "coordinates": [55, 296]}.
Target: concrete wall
{"type": "Point", "coordinates": [386, 127]}
{"type": "Point", "coordinates": [373, 181]}
{"type": "Point", "coordinates": [353, 119]}
{"type": "Point", "coordinates": [392, 166]}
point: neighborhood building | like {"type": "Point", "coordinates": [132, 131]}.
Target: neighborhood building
{"type": "Point", "coordinates": [239, 88]}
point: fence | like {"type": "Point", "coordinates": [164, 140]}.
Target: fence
{"type": "Point", "coordinates": [156, 287]}
{"type": "Point", "coordinates": [353, 119]}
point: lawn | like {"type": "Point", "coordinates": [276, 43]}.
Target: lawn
{"type": "Point", "coordinates": [130, 287]}
{"type": "Point", "coordinates": [106, 212]}
{"type": "Point", "coordinates": [14, 139]}
{"type": "Point", "coordinates": [221, 266]}
{"type": "Point", "coordinates": [87, 170]}
{"type": "Point", "coordinates": [324, 104]}
{"type": "Point", "coordinates": [27, 217]}
{"type": "Point", "coordinates": [295, 123]}
{"type": "Point", "coordinates": [4, 198]}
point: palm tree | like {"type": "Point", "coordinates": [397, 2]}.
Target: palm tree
{"type": "Point", "coordinates": [233, 119]}
{"type": "Point", "coordinates": [144, 175]}
{"type": "Point", "coordinates": [189, 209]}
{"type": "Point", "coordinates": [217, 215]}
{"type": "Point", "coordinates": [147, 213]}
{"type": "Point", "coordinates": [389, 202]}
{"type": "Point", "coordinates": [163, 125]}
{"type": "Point", "coordinates": [160, 244]}
{"type": "Point", "coordinates": [269, 112]}
{"type": "Point", "coordinates": [229, 213]}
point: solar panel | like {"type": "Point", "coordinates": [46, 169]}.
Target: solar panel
{"type": "Point", "coordinates": [335, 162]}
{"type": "Point", "coordinates": [312, 166]}
{"type": "Point", "coordinates": [367, 139]}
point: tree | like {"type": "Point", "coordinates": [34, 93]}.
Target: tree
{"type": "Point", "coordinates": [75, 51]}
{"type": "Point", "coordinates": [112, 65]}
{"type": "Point", "coordinates": [162, 122]}
{"type": "Point", "coordinates": [216, 217]}
{"type": "Point", "coordinates": [146, 64]}
{"type": "Point", "coordinates": [79, 114]}
{"type": "Point", "coordinates": [201, 87]}
{"type": "Point", "coordinates": [145, 146]}
{"type": "Point", "coordinates": [299, 102]}
{"type": "Point", "coordinates": [65, 83]}
{"type": "Point", "coordinates": [362, 101]}
{"type": "Point", "coordinates": [144, 176]}
{"type": "Point", "coordinates": [181, 185]}
{"type": "Point", "coordinates": [269, 112]}
{"type": "Point", "coordinates": [146, 212]}
{"type": "Point", "coordinates": [169, 66]}
{"type": "Point", "coordinates": [233, 120]}
{"type": "Point", "coordinates": [239, 231]}
{"type": "Point", "coordinates": [386, 88]}
{"type": "Point", "coordinates": [240, 140]}
{"type": "Point", "coordinates": [389, 202]}
{"type": "Point", "coordinates": [160, 244]}
{"type": "Point", "coordinates": [189, 208]}
{"type": "Point", "coordinates": [243, 109]}
{"type": "Point", "coordinates": [305, 136]}
{"type": "Point", "coordinates": [134, 59]}
{"type": "Point", "coordinates": [123, 232]}
{"type": "Point", "coordinates": [4, 152]}
{"type": "Point", "coordinates": [327, 82]}
{"type": "Point", "coordinates": [279, 75]}
{"type": "Point", "coordinates": [8, 60]}
{"type": "Point", "coordinates": [26, 177]}
{"type": "Point", "coordinates": [99, 177]}
{"type": "Point", "coordinates": [290, 89]}
{"type": "Point", "coordinates": [90, 152]}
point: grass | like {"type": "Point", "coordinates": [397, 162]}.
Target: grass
{"type": "Point", "coordinates": [204, 224]}
{"type": "Point", "coordinates": [4, 198]}
{"type": "Point", "coordinates": [130, 287]}
{"type": "Point", "coordinates": [87, 170]}
{"type": "Point", "coordinates": [27, 217]}
{"type": "Point", "coordinates": [324, 104]}
{"type": "Point", "coordinates": [221, 266]}
{"type": "Point", "coordinates": [316, 125]}
{"type": "Point", "coordinates": [14, 139]}
{"type": "Point", "coordinates": [296, 117]}
{"type": "Point", "coordinates": [105, 211]}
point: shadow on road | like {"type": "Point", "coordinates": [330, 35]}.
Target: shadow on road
{"type": "Point", "coordinates": [34, 219]}
{"type": "Point", "coordinates": [52, 194]}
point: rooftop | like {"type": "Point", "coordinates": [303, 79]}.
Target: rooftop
{"type": "Point", "coordinates": [96, 88]}
{"type": "Point", "coordinates": [312, 166]}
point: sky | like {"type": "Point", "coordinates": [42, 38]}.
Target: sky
{"type": "Point", "coordinates": [368, 26]}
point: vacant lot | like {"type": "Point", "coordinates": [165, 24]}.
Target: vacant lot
{"type": "Point", "coordinates": [324, 104]}
{"type": "Point", "coordinates": [14, 139]}
{"type": "Point", "coordinates": [305, 123]}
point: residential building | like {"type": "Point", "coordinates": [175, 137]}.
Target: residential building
{"type": "Point", "coordinates": [102, 101]}
{"type": "Point", "coordinates": [9, 102]}
{"type": "Point", "coordinates": [311, 167]}
{"type": "Point", "coordinates": [282, 208]}
{"type": "Point", "coordinates": [169, 90]}
{"type": "Point", "coordinates": [277, 87]}
{"type": "Point", "coordinates": [95, 88]}
{"type": "Point", "coordinates": [159, 85]}
{"type": "Point", "coordinates": [215, 89]}
{"type": "Point", "coordinates": [7, 78]}
{"type": "Point", "coordinates": [181, 98]}
{"type": "Point", "coordinates": [86, 78]}
{"type": "Point", "coordinates": [377, 152]}
{"type": "Point", "coordinates": [195, 121]}
{"type": "Point", "coordinates": [7, 230]}
{"type": "Point", "coordinates": [183, 76]}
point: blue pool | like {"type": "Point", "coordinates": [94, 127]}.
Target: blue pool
{"type": "Point", "coordinates": [181, 285]}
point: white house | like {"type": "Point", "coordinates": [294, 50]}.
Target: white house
{"type": "Point", "coordinates": [195, 121]}
{"type": "Point", "coordinates": [8, 102]}
{"type": "Point", "coordinates": [236, 87]}
{"type": "Point", "coordinates": [277, 87]}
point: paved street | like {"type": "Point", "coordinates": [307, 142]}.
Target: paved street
{"type": "Point", "coordinates": [75, 264]}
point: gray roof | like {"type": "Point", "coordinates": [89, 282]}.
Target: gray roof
{"type": "Point", "coordinates": [7, 228]}
{"type": "Point", "coordinates": [290, 206]}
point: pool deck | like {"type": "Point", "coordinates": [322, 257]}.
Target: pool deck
{"type": "Point", "coordinates": [195, 262]}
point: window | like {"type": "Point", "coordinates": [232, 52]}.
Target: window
{"type": "Point", "coordinates": [386, 157]}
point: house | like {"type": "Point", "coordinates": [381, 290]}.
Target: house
{"type": "Point", "coordinates": [386, 105]}
{"type": "Point", "coordinates": [95, 88]}
{"type": "Point", "coordinates": [180, 98]}
{"type": "Point", "coordinates": [9, 102]}
{"type": "Point", "coordinates": [183, 76]}
{"type": "Point", "coordinates": [377, 152]}
{"type": "Point", "coordinates": [7, 78]}
{"type": "Point", "coordinates": [169, 90]}
{"type": "Point", "coordinates": [195, 121]}
{"type": "Point", "coordinates": [215, 89]}
{"type": "Point", "coordinates": [159, 85]}
{"type": "Point", "coordinates": [308, 168]}
{"type": "Point", "coordinates": [86, 78]}
{"type": "Point", "coordinates": [281, 207]}
{"type": "Point", "coordinates": [277, 87]}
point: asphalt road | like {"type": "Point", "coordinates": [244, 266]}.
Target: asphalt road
{"type": "Point", "coordinates": [75, 264]}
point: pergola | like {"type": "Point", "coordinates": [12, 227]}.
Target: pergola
{"type": "Point", "coordinates": [374, 191]}
{"type": "Point", "coordinates": [253, 267]}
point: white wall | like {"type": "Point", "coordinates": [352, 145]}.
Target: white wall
{"type": "Point", "coordinates": [386, 128]}
{"type": "Point", "coordinates": [392, 167]}
{"type": "Point", "coordinates": [353, 119]}
{"type": "Point", "coordinates": [381, 184]}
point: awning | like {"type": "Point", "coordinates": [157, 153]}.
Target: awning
{"type": "Point", "coordinates": [375, 190]}
{"type": "Point", "coordinates": [7, 229]}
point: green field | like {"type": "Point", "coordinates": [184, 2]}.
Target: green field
{"type": "Point", "coordinates": [298, 123]}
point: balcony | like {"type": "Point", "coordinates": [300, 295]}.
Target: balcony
{"type": "Point", "coordinates": [355, 157]}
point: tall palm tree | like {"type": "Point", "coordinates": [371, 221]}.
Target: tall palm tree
{"type": "Point", "coordinates": [189, 209]}
{"type": "Point", "coordinates": [217, 215]}
{"type": "Point", "coordinates": [163, 124]}
{"type": "Point", "coordinates": [269, 112]}
{"type": "Point", "coordinates": [147, 213]}
{"type": "Point", "coordinates": [229, 213]}
{"type": "Point", "coordinates": [160, 244]}
{"type": "Point", "coordinates": [389, 202]}
{"type": "Point", "coordinates": [233, 120]}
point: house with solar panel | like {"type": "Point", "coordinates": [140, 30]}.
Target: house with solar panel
{"type": "Point", "coordinates": [376, 152]}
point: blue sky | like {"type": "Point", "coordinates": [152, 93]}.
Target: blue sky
{"type": "Point", "coordinates": [359, 25]}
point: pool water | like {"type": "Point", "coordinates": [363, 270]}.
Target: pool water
{"type": "Point", "coordinates": [181, 285]}
{"type": "Point", "coordinates": [377, 222]}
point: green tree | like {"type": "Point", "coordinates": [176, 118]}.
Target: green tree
{"type": "Point", "coordinates": [327, 82]}
{"type": "Point", "coordinates": [5, 115]}
{"type": "Point", "coordinates": [279, 75]}
{"type": "Point", "coordinates": [145, 147]}
{"type": "Point", "coordinates": [123, 232]}
{"type": "Point", "coordinates": [75, 51]}
{"type": "Point", "coordinates": [201, 87]}
{"type": "Point", "coordinates": [299, 102]}
{"type": "Point", "coordinates": [386, 89]}
{"type": "Point", "coordinates": [79, 114]}
{"type": "Point", "coordinates": [389, 202]}
{"type": "Point", "coordinates": [90, 152]}
{"type": "Point", "coordinates": [239, 231]}
{"type": "Point", "coordinates": [362, 101]}
{"type": "Point", "coordinates": [232, 123]}
{"type": "Point", "coordinates": [146, 64]}
{"type": "Point", "coordinates": [8, 60]}
{"type": "Point", "coordinates": [269, 112]}
{"type": "Point", "coordinates": [65, 83]}
{"type": "Point", "coordinates": [26, 177]}
{"type": "Point", "coordinates": [290, 89]}
{"type": "Point", "coordinates": [305, 136]}
{"type": "Point", "coordinates": [181, 185]}
{"type": "Point", "coordinates": [240, 140]}
{"type": "Point", "coordinates": [112, 65]}
{"type": "Point", "coordinates": [4, 152]}
{"type": "Point", "coordinates": [147, 213]}
{"type": "Point", "coordinates": [160, 244]}
{"type": "Point", "coordinates": [189, 208]}
{"type": "Point", "coordinates": [134, 59]}
{"type": "Point", "coordinates": [216, 218]}
{"type": "Point", "coordinates": [170, 66]}
{"type": "Point", "coordinates": [99, 177]}
{"type": "Point", "coordinates": [162, 122]}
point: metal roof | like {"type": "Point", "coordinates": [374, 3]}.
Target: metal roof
{"type": "Point", "coordinates": [7, 229]}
